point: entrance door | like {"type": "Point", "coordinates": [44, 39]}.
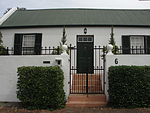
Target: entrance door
{"type": "Point", "coordinates": [85, 54]}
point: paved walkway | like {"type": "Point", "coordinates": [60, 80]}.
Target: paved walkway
{"type": "Point", "coordinates": [75, 110]}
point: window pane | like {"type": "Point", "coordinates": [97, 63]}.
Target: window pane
{"type": "Point", "coordinates": [85, 38]}
{"type": "Point", "coordinates": [90, 39]}
{"type": "Point", "coordinates": [28, 50]}
{"type": "Point", "coordinates": [28, 44]}
{"type": "Point", "coordinates": [80, 39]}
{"type": "Point", "coordinates": [28, 40]}
{"type": "Point", "coordinates": [137, 44]}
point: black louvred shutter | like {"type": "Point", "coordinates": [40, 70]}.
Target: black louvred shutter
{"type": "Point", "coordinates": [147, 44]}
{"type": "Point", "coordinates": [126, 44]}
{"type": "Point", "coordinates": [18, 44]}
{"type": "Point", "coordinates": [38, 42]}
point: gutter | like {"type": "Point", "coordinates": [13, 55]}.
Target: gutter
{"type": "Point", "coordinates": [7, 15]}
{"type": "Point", "coordinates": [50, 26]}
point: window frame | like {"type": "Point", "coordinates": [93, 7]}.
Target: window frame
{"type": "Point", "coordinates": [85, 36]}
{"type": "Point", "coordinates": [134, 41]}
{"type": "Point", "coordinates": [18, 44]}
{"type": "Point", "coordinates": [145, 47]}
{"type": "Point", "coordinates": [23, 40]}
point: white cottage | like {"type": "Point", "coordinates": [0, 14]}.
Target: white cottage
{"type": "Point", "coordinates": [43, 27]}
{"type": "Point", "coordinates": [26, 31]}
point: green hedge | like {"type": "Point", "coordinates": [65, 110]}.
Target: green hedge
{"type": "Point", "coordinates": [3, 50]}
{"type": "Point", "coordinates": [41, 87]}
{"type": "Point", "coordinates": [129, 86]}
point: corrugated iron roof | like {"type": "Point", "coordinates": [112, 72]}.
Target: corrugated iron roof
{"type": "Point", "coordinates": [78, 17]}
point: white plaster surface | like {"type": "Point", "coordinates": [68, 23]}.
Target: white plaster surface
{"type": "Point", "coordinates": [8, 72]}
{"type": "Point", "coordinates": [52, 36]}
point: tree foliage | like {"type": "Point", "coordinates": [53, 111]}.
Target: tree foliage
{"type": "Point", "coordinates": [59, 49]}
{"type": "Point", "coordinates": [3, 50]}
{"type": "Point", "coordinates": [1, 39]}
{"type": "Point", "coordinates": [112, 42]}
{"type": "Point", "coordinates": [64, 39]}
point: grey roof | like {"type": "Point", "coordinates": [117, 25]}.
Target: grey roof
{"type": "Point", "coordinates": [78, 17]}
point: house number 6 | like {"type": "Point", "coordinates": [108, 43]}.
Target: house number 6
{"type": "Point", "coordinates": [116, 61]}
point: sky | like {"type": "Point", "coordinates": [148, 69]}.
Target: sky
{"type": "Point", "coordinates": [49, 4]}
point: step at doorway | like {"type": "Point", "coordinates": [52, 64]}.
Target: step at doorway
{"type": "Point", "coordinates": [90, 100]}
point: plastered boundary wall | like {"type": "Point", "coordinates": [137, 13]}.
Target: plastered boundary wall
{"type": "Point", "coordinates": [9, 65]}
{"type": "Point", "coordinates": [8, 72]}
{"type": "Point", "coordinates": [116, 60]}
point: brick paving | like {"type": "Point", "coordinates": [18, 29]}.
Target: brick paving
{"type": "Point", "coordinates": [75, 110]}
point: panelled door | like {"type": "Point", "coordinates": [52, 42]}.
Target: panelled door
{"type": "Point", "coordinates": [85, 54]}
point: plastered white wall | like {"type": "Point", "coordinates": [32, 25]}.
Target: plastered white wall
{"type": "Point", "coordinates": [52, 36]}
{"type": "Point", "coordinates": [8, 72]}
{"type": "Point", "coordinates": [138, 60]}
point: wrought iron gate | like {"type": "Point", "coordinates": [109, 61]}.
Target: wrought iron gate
{"type": "Point", "coordinates": [87, 82]}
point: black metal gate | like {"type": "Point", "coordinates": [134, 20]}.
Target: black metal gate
{"type": "Point", "coordinates": [87, 82]}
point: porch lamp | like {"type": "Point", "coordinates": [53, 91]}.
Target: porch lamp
{"type": "Point", "coordinates": [85, 30]}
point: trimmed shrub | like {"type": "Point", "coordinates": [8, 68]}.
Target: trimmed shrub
{"type": "Point", "coordinates": [41, 87]}
{"type": "Point", "coordinates": [129, 86]}
{"type": "Point", "coordinates": [3, 51]}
